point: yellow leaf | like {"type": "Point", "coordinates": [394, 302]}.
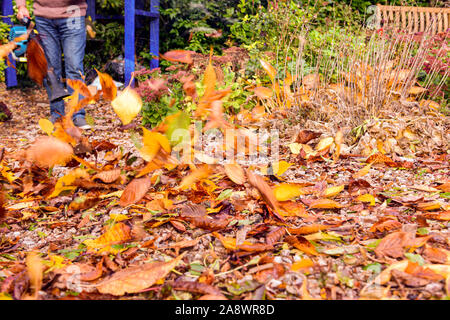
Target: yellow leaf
{"type": "Point", "coordinates": [362, 172]}
{"type": "Point", "coordinates": [117, 217]}
{"type": "Point", "coordinates": [280, 167]}
{"type": "Point", "coordinates": [153, 141]}
{"type": "Point", "coordinates": [127, 105]}
{"type": "Point", "coordinates": [325, 143]}
{"type": "Point", "coordinates": [56, 262]}
{"type": "Point", "coordinates": [117, 234]}
{"type": "Point", "coordinates": [332, 191]}
{"type": "Point", "coordinates": [64, 183]}
{"type": "Point", "coordinates": [295, 147]}
{"type": "Point", "coordinates": [5, 296]}
{"type": "Point", "coordinates": [286, 191]}
{"type": "Point", "coordinates": [367, 198]}
{"type": "Point", "coordinates": [302, 264]}
{"type": "Point", "coordinates": [46, 126]}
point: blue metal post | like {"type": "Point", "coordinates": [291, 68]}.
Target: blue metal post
{"type": "Point", "coordinates": [130, 14]}
{"type": "Point", "coordinates": [10, 72]}
{"type": "Point", "coordinates": [154, 34]}
{"type": "Point", "coordinates": [91, 9]}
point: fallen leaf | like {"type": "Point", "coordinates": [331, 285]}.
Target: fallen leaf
{"type": "Point", "coordinates": [235, 172]}
{"type": "Point", "coordinates": [35, 270]}
{"type": "Point", "coordinates": [117, 234]}
{"type": "Point", "coordinates": [302, 244]}
{"type": "Point", "coordinates": [286, 191]}
{"type": "Point", "coordinates": [265, 191]}
{"type": "Point", "coordinates": [324, 204]}
{"type": "Point", "coordinates": [136, 279]}
{"type": "Point", "coordinates": [362, 172]}
{"type": "Point", "coordinates": [108, 176]}
{"type": "Point", "coordinates": [135, 191]}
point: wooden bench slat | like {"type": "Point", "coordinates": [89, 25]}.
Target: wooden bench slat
{"type": "Point", "coordinates": [414, 19]}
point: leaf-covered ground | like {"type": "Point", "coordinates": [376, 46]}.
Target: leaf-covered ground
{"type": "Point", "coordinates": [354, 228]}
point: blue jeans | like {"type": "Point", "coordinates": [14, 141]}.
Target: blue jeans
{"type": "Point", "coordinates": [68, 36]}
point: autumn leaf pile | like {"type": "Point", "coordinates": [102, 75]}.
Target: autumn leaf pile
{"type": "Point", "coordinates": [152, 223]}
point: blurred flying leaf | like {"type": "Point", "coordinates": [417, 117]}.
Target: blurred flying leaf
{"type": "Point", "coordinates": [127, 105]}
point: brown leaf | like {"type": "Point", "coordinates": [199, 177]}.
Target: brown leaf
{"type": "Point", "coordinates": [266, 192]}
{"type": "Point", "coordinates": [254, 247]}
{"type": "Point", "coordinates": [196, 287]}
{"type": "Point", "coordinates": [442, 216]}
{"type": "Point", "coordinates": [436, 255]}
{"type": "Point", "coordinates": [235, 172]}
{"type": "Point", "coordinates": [208, 223]}
{"type": "Point", "coordinates": [136, 279]}
{"type": "Point", "coordinates": [381, 158]}
{"type": "Point", "coordinates": [385, 225]}
{"type": "Point", "coordinates": [2, 206]}
{"type": "Point", "coordinates": [83, 203]}
{"type": "Point", "coordinates": [94, 274]}
{"type": "Point", "coordinates": [302, 244]}
{"type": "Point", "coordinates": [212, 297]}
{"type": "Point", "coordinates": [107, 176]}
{"type": "Point", "coordinates": [193, 210]}
{"type": "Point", "coordinates": [305, 136]}
{"type": "Point", "coordinates": [393, 245]}
{"type": "Point", "coordinates": [178, 225]}
{"type": "Point", "coordinates": [275, 235]}
{"type": "Point", "coordinates": [135, 191]}
{"type": "Point", "coordinates": [48, 152]}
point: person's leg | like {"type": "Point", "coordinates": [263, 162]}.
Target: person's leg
{"type": "Point", "coordinates": [73, 40]}
{"type": "Point", "coordinates": [51, 43]}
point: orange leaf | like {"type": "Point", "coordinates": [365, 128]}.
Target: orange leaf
{"type": "Point", "coordinates": [136, 279]}
{"type": "Point", "coordinates": [325, 204]}
{"type": "Point", "coordinates": [235, 172]}
{"type": "Point", "coordinates": [302, 264]}
{"type": "Point", "coordinates": [302, 244]}
{"type": "Point", "coordinates": [182, 56]}
{"type": "Point", "coordinates": [203, 172]}
{"type": "Point", "coordinates": [362, 172]}
{"type": "Point", "coordinates": [117, 234]}
{"type": "Point", "coordinates": [109, 88]}
{"type": "Point", "coordinates": [48, 152]}
{"type": "Point", "coordinates": [287, 191]}
{"type": "Point", "coordinates": [135, 191]}
{"type": "Point", "coordinates": [210, 78]}
{"type": "Point", "coordinates": [271, 71]}
{"type": "Point", "coordinates": [313, 228]}
{"type": "Point", "coordinates": [263, 92]}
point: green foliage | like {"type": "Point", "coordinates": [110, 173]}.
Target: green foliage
{"type": "Point", "coordinates": [106, 46]}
